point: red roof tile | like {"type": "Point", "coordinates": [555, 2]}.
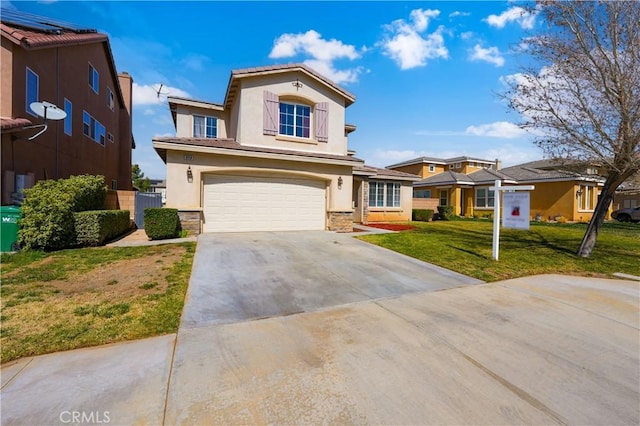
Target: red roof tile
{"type": "Point", "coordinates": [13, 123]}
{"type": "Point", "coordinates": [32, 39]}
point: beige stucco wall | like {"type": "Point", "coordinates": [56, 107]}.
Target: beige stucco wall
{"type": "Point", "coordinates": [182, 194]}
{"type": "Point", "coordinates": [250, 112]}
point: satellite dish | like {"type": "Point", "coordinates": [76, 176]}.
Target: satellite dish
{"type": "Point", "coordinates": [47, 110]}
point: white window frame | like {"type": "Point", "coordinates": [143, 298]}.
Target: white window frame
{"type": "Point", "coordinates": [485, 198]}
{"type": "Point", "coordinates": [68, 120]}
{"type": "Point", "coordinates": [446, 197]}
{"type": "Point", "coordinates": [30, 99]}
{"type": "Point", "coordinates": [206, 120]}
{"type": "Point", "coordinates": [432, 168]}
{"type": "Point", "coordinates": [585, 199]}
{"type": "Point", "coordinates": [94, 79]}
{"type": "Point", "coordinates": [386, 195]}
{"type": "Point", "coordinates": [296, 114]}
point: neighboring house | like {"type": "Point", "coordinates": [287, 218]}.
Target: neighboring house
{"type": "Point", "coordinates": [460, 182]}
{"type": "Point", "coordinates": [464, 182]}
{"type": "Point", "coordinates": [272, 156]}
{"type": "Point", "coordinates": [560, 191]}
{"type": "Point", "coordinates": [73, 68]}
{"type": "Point", "coordinates": [159, 186]}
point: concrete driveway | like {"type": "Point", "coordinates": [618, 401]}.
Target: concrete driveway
{"type": "Point", "coordinates": [252, 275]}
{"type": "Point", "coordinates": [537, 350]}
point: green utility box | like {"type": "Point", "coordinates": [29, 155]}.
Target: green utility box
{"type": "Point", "coordinates": [9, 216]}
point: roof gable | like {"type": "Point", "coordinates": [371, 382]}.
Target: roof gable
{"type": "Point", "coordinates": [237, 75]}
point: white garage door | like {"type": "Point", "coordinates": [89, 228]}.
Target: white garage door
{"type": "Point", "coordinates": [257, 203]}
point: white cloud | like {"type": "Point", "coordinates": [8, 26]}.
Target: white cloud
{"type": "Point", "coordinates": [323, 53]}
{"type": "Point", "coordinates": [516, 14]}
{"type": "Point", "coordinates": [458, 13]}
{"type": "Point", "coordinates": [498, 129]}
{"type": "Point", "coordinates": [148, 94]}
{"type": "Point", "coordinates": [491, 55]}
{"type": "Point", "coordinates": [466, 35]}
{"type": "Point", "coordinates": [407, 47]}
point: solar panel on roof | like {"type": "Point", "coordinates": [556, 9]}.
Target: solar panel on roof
{"type": "Point", "coordinates": [40, 23]}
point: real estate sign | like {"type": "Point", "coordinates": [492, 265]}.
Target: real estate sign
{"type": "Point", "coordinates": [515, 213]}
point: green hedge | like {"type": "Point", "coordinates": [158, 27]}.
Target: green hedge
{"type": "Point", "coordinates": [94, 227]}
{"type": "Point", "coordinates": [47, 211]}
{"type": "Point", "coordinates": [161, 223]}
{"type": "Point", "coordinates": [422, 215]}
{"type": "Point", "coordinates": [445, 212]}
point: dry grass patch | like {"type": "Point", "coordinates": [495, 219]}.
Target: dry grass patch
{"type": "Point", "coordinates": [87, 297]}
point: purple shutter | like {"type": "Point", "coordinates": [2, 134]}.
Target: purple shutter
{"type": "Point", "coordinates": [322, 121]}
{"type": "Point", "coordinates": [270, 114]}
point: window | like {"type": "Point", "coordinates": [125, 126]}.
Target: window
{"type": "Point", "coordinates": [432, 168]}
{"type": "Point", "coordinates": [444, 197]}
{"type": "Point", "coordinates": [384, 194]}
{"type": "Point", "coordinates": [110, 137]}
{"type": "Point", "coordinates": [68, 120]}
{"type": "Point", "coordinates": [114, 184]}
{"type": "Point", "coordinates": [295, 120]}
{"type": "Point", "coordinates": [205, 127]}
{"type": "Point", "coordinates": [33, 83]}
{"type": "Point", "coordinates": [485, 198]}
{"type": "Point", "coordinates": [585, 197]}
{"type": "Point", "coordinates": [472, 164]}
{"type": "Point", "coordinates": [421, 193]}
{"type": "Point", "coordinates": [93, 128]}
{"type": "Point", "coordinates": [393, 194]}
{"type": "Point", "coordinates": [110, 99]}
{"type": "Point", "coordinates": [458, 165]}
{"type": "Point", "coordinates": [94, 79]}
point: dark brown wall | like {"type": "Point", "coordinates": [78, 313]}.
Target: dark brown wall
{"type": "Point", "coordinates": [63, 74]}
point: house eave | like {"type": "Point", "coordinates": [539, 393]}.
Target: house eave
{"type": "Point", "coordinates": [162, 147]}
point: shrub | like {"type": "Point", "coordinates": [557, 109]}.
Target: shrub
{"type": "Point", "coordinates": [445, 212]}
{"type": "Point", "coordinates": [161, 223]}
{"type": "Point", "coordinates": [94, 227]}
{"type": "Point", "coordinates": [47, 211]}
{"type": "Point", "coordinates": [422, 215]}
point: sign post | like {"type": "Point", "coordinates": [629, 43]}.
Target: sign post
{"type": "Point", "coordinates": [516, 208]}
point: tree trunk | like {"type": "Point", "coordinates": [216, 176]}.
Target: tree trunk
{"type": "Point", "coordinates": [600, 213]}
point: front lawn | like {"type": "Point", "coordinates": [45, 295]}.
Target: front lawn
{"type": "Point", "coordinates": [84, 297]}
{"type": "Point", "coordinates": [465, 246]}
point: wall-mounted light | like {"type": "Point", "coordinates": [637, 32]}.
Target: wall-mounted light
{"type": "Point", "coordinates": [189, 175]}
{"type": "Point", "coordinates": [340, 182]}
{"type": "Point", "coordinates": [579, 193]}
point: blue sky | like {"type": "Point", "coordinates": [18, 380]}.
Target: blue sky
{"type": "Point", "coordinates": [426, 75]}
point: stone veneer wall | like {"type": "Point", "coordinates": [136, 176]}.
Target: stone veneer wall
{"type": "Point", "coordinates": [365, 202]}
{"type": "Point", "coordinates": [341, 221]}
{"type": "Point", "coordinates": [190, 221]}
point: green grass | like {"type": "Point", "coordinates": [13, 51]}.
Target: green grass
{"type": "Point", "coordinates": [465, 246]}
{"type": "Point", "coordinates": [48, 306]}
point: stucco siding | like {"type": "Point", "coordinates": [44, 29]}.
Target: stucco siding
{"type": "Point", "coordinates": [182, 194]}
{"type": "Point", "coordinates": [311, 93]}
{"type": "Point", "coordinates": [184, 120]}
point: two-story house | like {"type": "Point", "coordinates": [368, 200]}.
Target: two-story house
{"type": "Point", "coordinates": [72, 67]}
{"type": "Point", "coordinates": [464, 183]}
{"type": "Point", "coordinates": [272, 156]}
